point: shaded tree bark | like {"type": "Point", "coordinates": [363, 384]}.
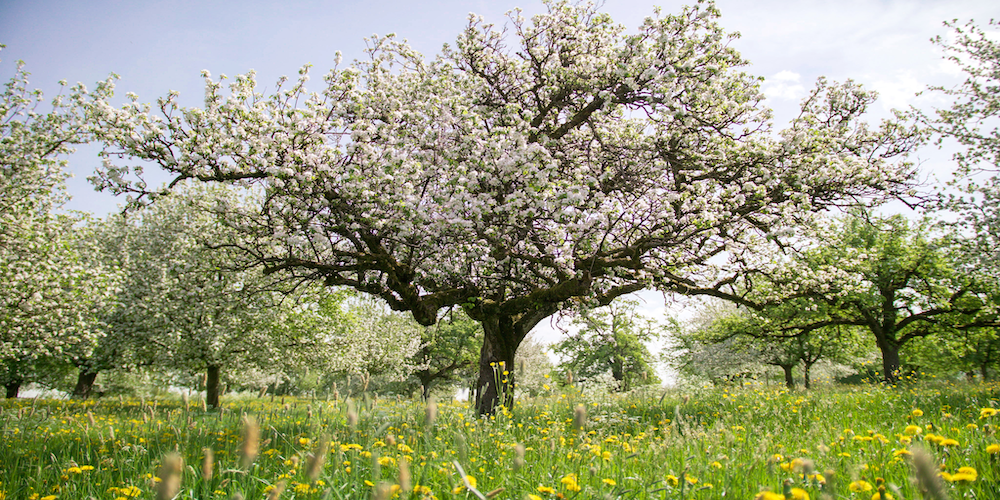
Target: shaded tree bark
{"type": "Point", "coordinates": [13, 387]}
{"type": "Point", "coordinates": [212, 386]}
{"type": "Point", "coordinates": [84, 383]}
{"type": "Point", "coordinates": [494, 387]}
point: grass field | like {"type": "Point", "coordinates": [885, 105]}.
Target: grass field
{"type": "Point", "coordinates": [737, 442]}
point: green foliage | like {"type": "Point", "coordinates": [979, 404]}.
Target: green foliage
{"type": "Point", "coordinates": [611, 340]}
{"type": "Point", "coordinates": [449, 352]}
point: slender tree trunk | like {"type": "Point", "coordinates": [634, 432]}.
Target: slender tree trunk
{"type": "Point", "coordinates": [212, 386]}
{"type": "Point", "coordinates": [805, 375]}
{"type": "Point", "coordinates": [789, 379]}
{"type": "Point", "coordinates": [13, 387]}
{"type": "Point", "coordinates": [984, 372]}
{"type": "Point", "coordinates": [84, 383]}
{"type": "Point", "coordinates": [496, 365]}
{"type": "Point", "coordinates": [618, 372]}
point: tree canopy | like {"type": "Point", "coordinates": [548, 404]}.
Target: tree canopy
{"type": "Point", "coordinates": [525, 169]}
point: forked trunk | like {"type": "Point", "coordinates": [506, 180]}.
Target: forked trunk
{"type": "Point", "coordinates": [212, 386]}
{"type": "Point", "coordinates": [84, 383]}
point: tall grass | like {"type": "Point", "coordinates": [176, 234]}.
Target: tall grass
{"type": "Point", "coordinates": [737, 442]}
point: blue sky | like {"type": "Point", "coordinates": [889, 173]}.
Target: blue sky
{"type": "Point", "coordinates": [156, 46]}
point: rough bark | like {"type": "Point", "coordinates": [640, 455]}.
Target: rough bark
{"type": "Point", "coordinates": [890, 361]}
{"type": "Point", "coordinates": [13, 387]}
{"type": "Point", "coordinates": [84, 383]}
{"type": "Point", "coordinates": [789, 379]}
{"type": "Point", "coordinates": [212, 386]}
{"type": "Point", "coordinates": [494, 388]}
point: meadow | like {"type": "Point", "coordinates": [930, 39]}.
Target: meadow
{"type": "Point", "coordinates": [741, 442]}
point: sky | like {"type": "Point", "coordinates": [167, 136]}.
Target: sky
{"type": "Point", "coordinates": [157, 46]}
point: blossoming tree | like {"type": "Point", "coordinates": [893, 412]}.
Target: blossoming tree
{"type": "Point", "coordinates": [973, 122]}
{"type": "Point", "coordinates": [47, 289]}
{"type": "Point", "coordinates": [554, 162]}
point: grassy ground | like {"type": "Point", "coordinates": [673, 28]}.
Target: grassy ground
{"type": "Point", "coordinates": [739, 442]}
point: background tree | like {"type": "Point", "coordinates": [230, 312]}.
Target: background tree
{"type": "Point", "coordinates": [759, 335]}
{"type": "Point", "coordinates": [448, 351]}
{"type": "Point", "coordinates": [188, 304]}
{"type": "Point", "coordinates": [47, 290]}
{"type": "Point", "coordinates": [534, 368]}
{"type": "Point", "coordinates": [554, 160]}
{"type": "Point", "coordinates": [886, 275]}
{"type": "Point", "coordinates": [972, 121]}
{"type": "Point", "coordinates": [611, 339]}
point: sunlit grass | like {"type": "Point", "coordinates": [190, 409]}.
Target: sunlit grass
{"type": "Point", "coordinates": [731, 442]}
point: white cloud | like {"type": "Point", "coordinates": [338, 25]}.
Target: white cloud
{"type": "Point", "coordinates": [898, 92]}
{"type": "Point", "coordinates": [784, 85]}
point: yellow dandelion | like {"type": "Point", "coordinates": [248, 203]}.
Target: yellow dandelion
{"type": "Point", "coordinates": [570, 482]}
{"type": "Point", "coordinates": [987, 412]}
{"type": "Point", "coordinates": [912, 430]}
{"type": "Point", "coordinates": [609, 482]}
{"type": "Point", "coordinates": [860, 486]}
{"type": "Point", "coordinates": [769, 495]}
{"type": "Point", "coordinates": [993, 449]}
{"type": "Point", "coordinates": [799, 494]}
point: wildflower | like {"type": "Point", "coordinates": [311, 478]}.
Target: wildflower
{"type": "Point", "coordinates": [571, 482]}
{"type": "Point", "coordinates": [609, 482]}
{"type": "Point", "coordinates": [468, 479]}
{"type": "Point", "coordinates": [799, 494]}
{"type": "Point", "coordinates": [882, 495]}
{"type": "Point", "coordinates": [546, 489]}
{"type": "Point", "coordinates": [912, 430]}
{"type": "Point", "coordinates": [948, 442]}
{"type": "Point", "coordinates": [993, 449]}
{"type": "Point", "coordinates": [304, 441]}
{"type": "Point", "coordinates": [534, 497]}
{"type": "Point", "coordinates": [769, 495]}
{"type": "Point", "coordinates": [987, 412]}
{"type": "Point", "coordinates": [672, 480]}
{"type": "Point", "coordinates": [964, 475]}
{"type": "Point", "coordinates": [860, 486]}
{"type": "Point", "coordinates": [917, 412]}
{"type": "Point", "coordinates": [716, 464]}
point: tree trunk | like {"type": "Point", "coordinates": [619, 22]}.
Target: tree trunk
{"type": "Point", "coordinates": [618, 373]}
{"type": "Point", "coordinates": [890, 362]}
{"type": "Point", "coordinates": [13, 387]}
{"type": "Point", "coordinates": [789, 379]}
{"type": "Point", "coordinates": [984, 372]}
{"type": "Point", "coordinates": [84, 383]}
{"type": "Point", "coordinates": [496, 365]}
{"type": "Point", "coordinates": [212, 386]}
{"type": "Point", "coordinates": [805, 375]}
